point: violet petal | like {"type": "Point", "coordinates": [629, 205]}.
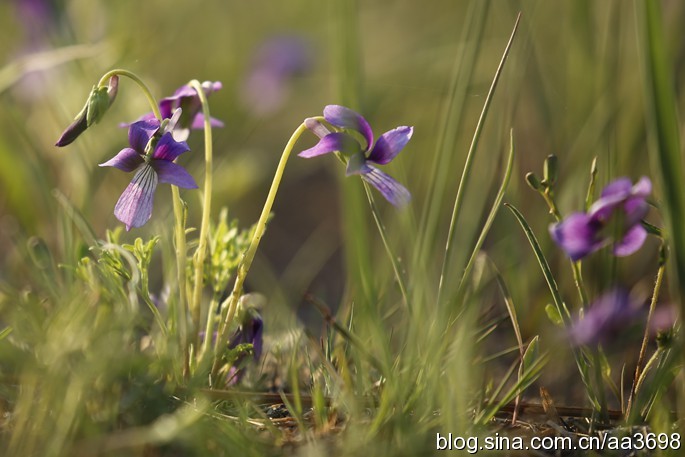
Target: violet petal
{"type": "Point", "coordinates": [617, 188]}
{"type": "Point", "coordinates": [343, 117]}
{"type": "Point", "coordinates": [635, 208]}
{"type": "Point", "coordinates": [134, 207]}
{"type": "Point", "coordinates": [316, 127]}
{"type": "Point", "coordinates": [390, 144]}
{"type": "Point", "coordinates": [631, 241]}
{"type": "Point", "coordinates": [576, 235]}
{"type": "Point", "coordinates": [393, 191]}
{"type": "Point", "coordinates": [168, 148]}
{"type": "Point", "coordinates": [173, 173]}
{"type": "Point", "coordinates": [126, 160]}
{"type": "Point", "coordinates": [336, 141]}
{"type": "Point", "coordinates": [199, 122]}
{"type": "Point", "coordinates": [140, 132]}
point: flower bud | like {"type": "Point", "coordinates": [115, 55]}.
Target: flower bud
{"type": "Point", "coordinates": [533, 181]}
{"type": "Point", "coordinates": [99, 101]}
{"type": "Point", "coordinates": [550, 170]}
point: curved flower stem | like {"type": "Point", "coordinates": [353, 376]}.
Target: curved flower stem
{"type": "Point", "coordinates": [386, 244]}
{"type": "Point", "coordinates": [146, 90]}
{"type": "Point", "coordinates": [231, 303]}
{"type": "Point", "coordinates": [199, 258]}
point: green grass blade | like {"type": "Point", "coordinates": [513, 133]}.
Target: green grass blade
{"type": "Point", "coordinates": [464, 66]}
{"type": "Point", "coordinates": [665, 149]}
{"type": "Point", "coordinates": [544, 265]}
{"type": "Point", "coordinates": [491, 216]}
{"type": "Point", "coordinates": [466, 172]}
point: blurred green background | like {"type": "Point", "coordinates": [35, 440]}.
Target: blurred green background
{"type": "Point", "coordinates": [572, 87]}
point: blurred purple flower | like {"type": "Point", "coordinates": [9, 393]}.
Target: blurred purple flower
{"type": "Point", "coordinates": [275, 63]}
{"type": "Point", "coordinates": [250, 332]}
{"type": "Point", "coordinates": [186, 98]}
{"type": "Point", "coordinates": [359, 156]}
{"type": "Point", "coordinates": [615, 217]}
{"type": "Point", "coordinates": [663, 319]}
{"type": "Point", "coordinates": [153, 158]}
{"type": "Point", "coordinates": [612, 313]}
{"type": "Point", "coordinates": [38, 19]}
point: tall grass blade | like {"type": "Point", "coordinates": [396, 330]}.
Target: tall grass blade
{"type": "Point", "coordinates": [665, 149]}
{"type": "Point", "coordinates": [469, 161]}
{"type": "Point", "coordinates": [544, 265]}
{"type": "Point", "coordinates": [491, 215]}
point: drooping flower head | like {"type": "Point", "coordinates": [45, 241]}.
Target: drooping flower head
{"type": "Point", "coordinates": [348, 126]}
{"type": "Point", "coordinates": [99, 101]}
{"type": "Point", "coordinates": [613, 219]}
{"type": "Point", "coordinates": [151, 155]}
{"type": "Point", "coordinates": [278, 60]}
{"type": "Point", "coordinates": [186, 98]}
{"type": "Point", "coordinates": [606, 318]}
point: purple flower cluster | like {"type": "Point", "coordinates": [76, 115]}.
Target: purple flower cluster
{"type": "Point", "coordinates": [154, 145]}
{"type": "Point", "coordinates": [613, 219]}
{"type": "Point", "coordinates": [349, 125]}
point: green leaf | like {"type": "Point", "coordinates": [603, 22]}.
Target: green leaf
{"type": "Point", "coordinates": [544, 266]}
{"type": "Point", "coordinates": [532, 354]}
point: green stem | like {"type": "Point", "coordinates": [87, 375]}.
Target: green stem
{"type": "Point", "coordinates": [231, 303]}
{"type": "Point", "coordinates": [645, 338]}
{"type": "Point", "coordinates": [209, 325]}
{"type": "Point", "coordinates": [180, 237]}
{"type": "Point", "coordinates": [146, 90]}
{"type": "Point", "coordinates": [386, 244]}
{"type": "Point", "coordinates": [199, 258]}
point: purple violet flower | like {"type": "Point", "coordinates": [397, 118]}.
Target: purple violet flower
{"type": "Point", "coordinates": [276, 62]}
{"type": "Point", "coordinates": [152, 154]}
{"type": "Point", "coordinates": [250, 332]}
{"type": "Point", "coordinates": [609, 315]}
{"type": "Point", "coordinates": [359, 156]}
{"type": "Point", "coordinates": [614, 218]}
{"type": "Point", "coordinates": [186, 98]}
